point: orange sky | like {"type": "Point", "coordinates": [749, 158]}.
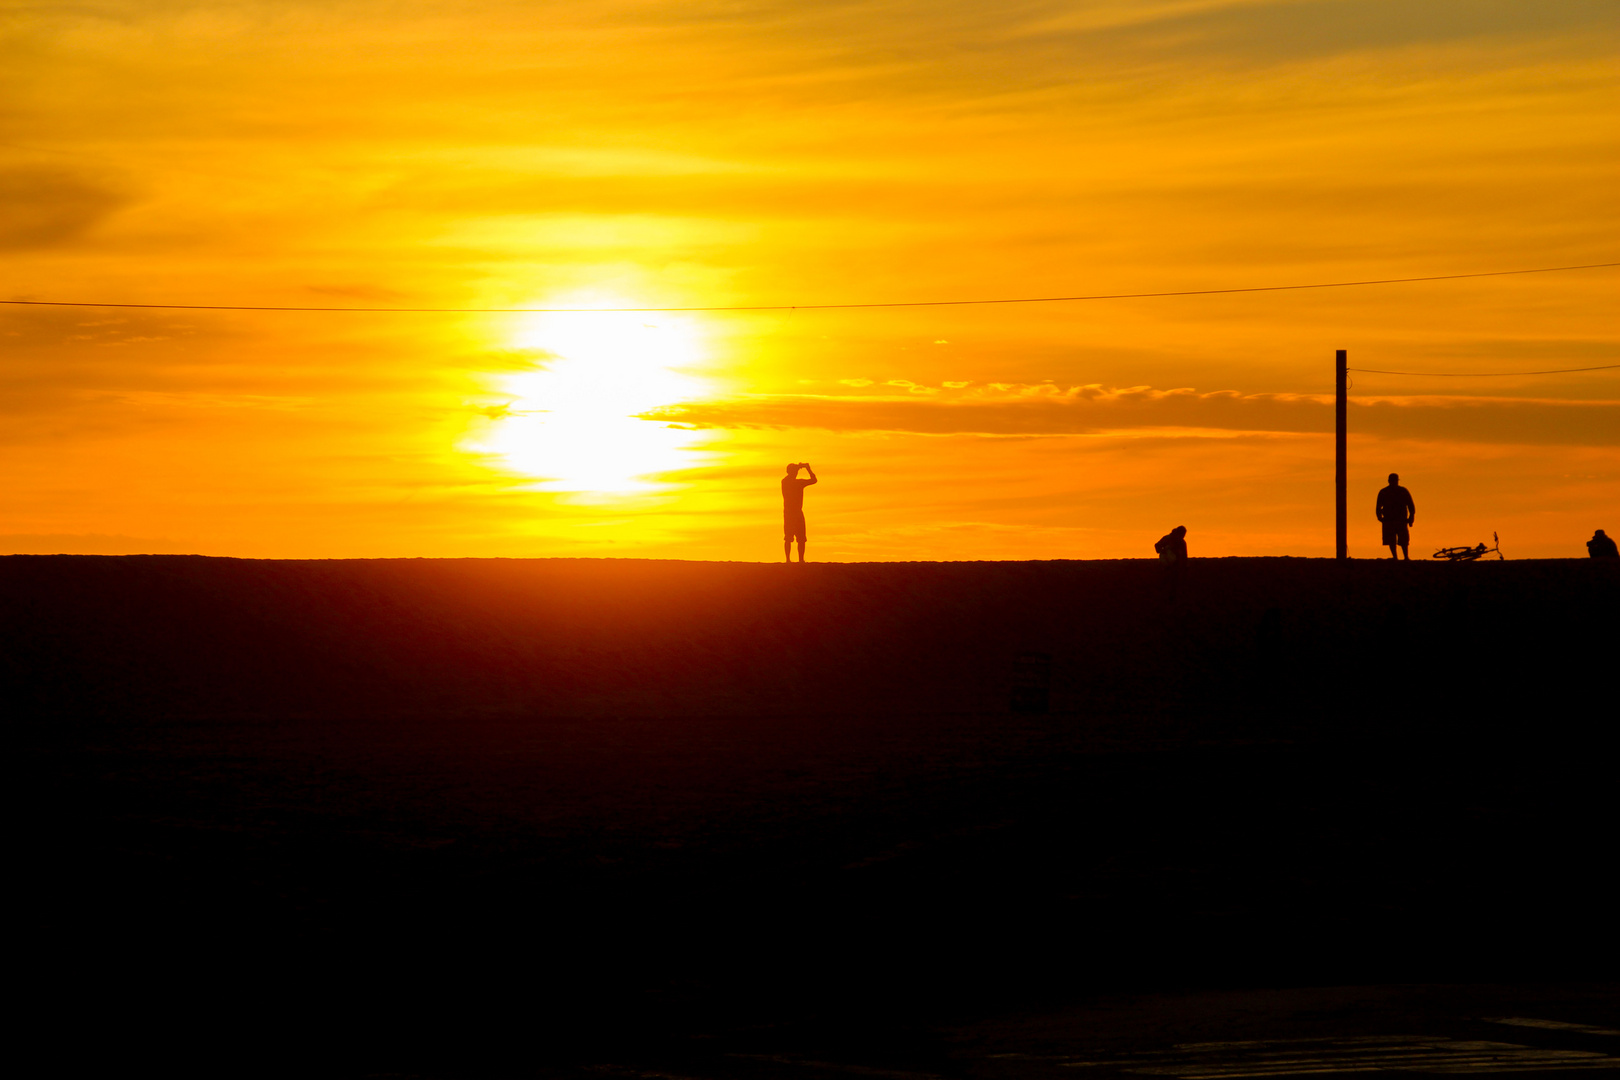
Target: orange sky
{"type": "Point", "coordinates": [647, 153]}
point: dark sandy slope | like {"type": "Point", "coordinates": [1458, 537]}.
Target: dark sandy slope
{"type": "Point", "coordinates": [176, 636]}
{"type": "Point", "coordinates": [478, 816]}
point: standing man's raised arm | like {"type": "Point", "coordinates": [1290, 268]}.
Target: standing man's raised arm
{"type": "Point", "coordinates": [812, 473]}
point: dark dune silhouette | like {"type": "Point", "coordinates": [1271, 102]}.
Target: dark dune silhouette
{"type": "Point", "coordinates": [478, 817]}
{"type": "Point", "coordinates": [188, 636]}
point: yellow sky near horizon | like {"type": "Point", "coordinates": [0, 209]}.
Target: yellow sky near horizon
{"type": "Point", "coordinates": [644, 153]}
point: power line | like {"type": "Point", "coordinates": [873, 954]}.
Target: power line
{"type": "Point", "coordinates": [816, 307]}
{"type": "Point", "coordinates": [1481, 374]}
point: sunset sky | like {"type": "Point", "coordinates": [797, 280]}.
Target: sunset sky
{"type": "Point", "coordinates": [644, 153]}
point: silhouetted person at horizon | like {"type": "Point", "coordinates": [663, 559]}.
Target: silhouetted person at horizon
{"type": "Point", "coordinates": [1397, 511]}
{"type": "Point", "coordinates": [793, 508]}
{"type": "Point", "coordinates": [1601, 546]}
{"type": "Point", "coordinates": [1172, 547]}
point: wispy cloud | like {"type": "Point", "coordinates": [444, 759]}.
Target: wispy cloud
{"type": "Point", "coordinates": [1091, 410]}
{"type": "Point", "coordinates": [1294, 30]}
{"type": "Point", "coordinates": [44, 207]}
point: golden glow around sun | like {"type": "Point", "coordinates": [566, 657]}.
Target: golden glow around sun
{"type": "Point", "coordinates": [572, 422]}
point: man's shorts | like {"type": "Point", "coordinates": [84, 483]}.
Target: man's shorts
{"type": "Point", "coordinates": [1395, 533]}
{"type": "Point", "coordinates": [793, 526]}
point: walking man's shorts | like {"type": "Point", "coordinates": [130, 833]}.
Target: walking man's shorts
{"type": "Point", "coordinates": [1395, 533]}
{"type": "Point", "coordinates": [793, 526]}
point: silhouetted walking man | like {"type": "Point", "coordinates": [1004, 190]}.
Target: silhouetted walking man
{"type": "Point", "coordinates": [1172, 547]}
{"type": "Point", "coordinates": [1602, 546]}
{"type": "Point", "coordinates": [793, 508]}
{"type": "Point", "coordinates": [1397, 511]}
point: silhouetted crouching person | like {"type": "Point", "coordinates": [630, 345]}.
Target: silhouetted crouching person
{"type": "Point", "coordinates": [1602, 546]}
{"type": "Point", "coordinates": [793, 509]}
{"type": "Point", "coordinates": [1397, 511]}
{"type": "Point", "coordinates": [1172, 547]}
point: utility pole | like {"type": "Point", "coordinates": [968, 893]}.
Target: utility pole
{"type": "Point", "coordinates": [1341, 387]}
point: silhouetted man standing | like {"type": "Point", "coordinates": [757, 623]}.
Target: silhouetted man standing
{"type": "Point", "coordinates": [1601, 546]}
{"type": "Point", "coordinates": [1397, 511]}
{"type": "Point", "coordinates": [793, 508]}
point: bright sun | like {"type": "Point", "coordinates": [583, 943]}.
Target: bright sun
{"type": "Point", "coordinates": [572, 422]}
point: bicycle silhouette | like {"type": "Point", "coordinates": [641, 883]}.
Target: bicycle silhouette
{"type": "Point", "coordinates": [1469, 554]}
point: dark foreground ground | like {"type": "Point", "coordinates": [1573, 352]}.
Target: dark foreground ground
{"type": "Point", "coordinates": [559, 818]}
